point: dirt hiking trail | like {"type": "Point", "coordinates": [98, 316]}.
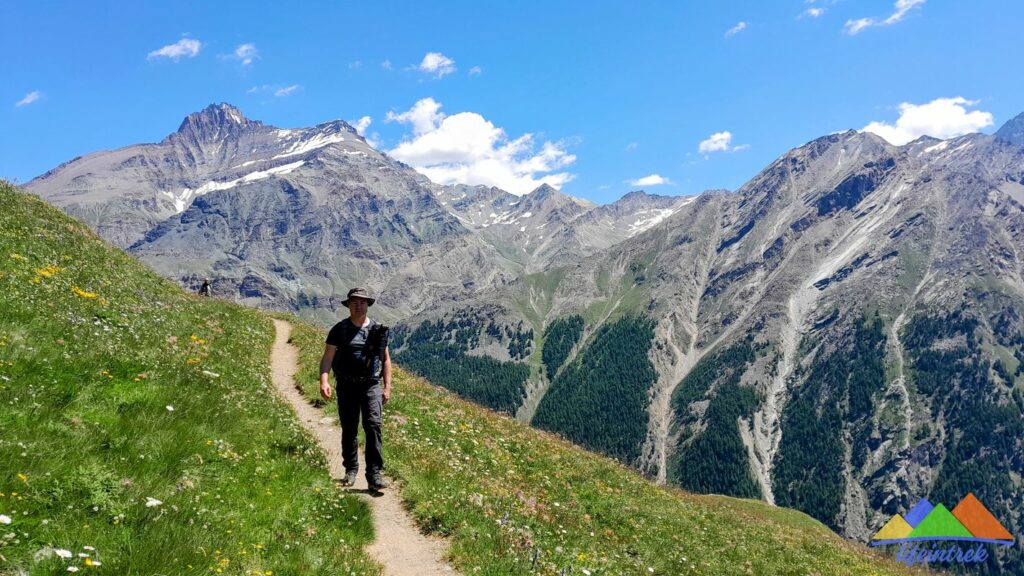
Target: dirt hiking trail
{"type": "Point", "coordinates": [399, 545]}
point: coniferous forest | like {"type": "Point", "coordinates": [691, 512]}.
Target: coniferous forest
{"type": "Point", "coordinates": [559, 338]}
{"type": "Point", "coordinates": [436, 350]}
{"type": "Point", "coordinates": [600, 400]}
{"type": "Point", "coordinates": [716, 461]}
{"type": "Point", "coordinates": [840, 386]}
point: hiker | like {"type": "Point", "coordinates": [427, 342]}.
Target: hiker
{"type": "Point", "coordinates": [204, 290]}
{"type": "Point", "coordinates": [357, 350]}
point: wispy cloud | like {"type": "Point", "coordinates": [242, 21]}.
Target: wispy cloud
{"type": "Point", "coordinates": [719, 142]}
{"type": "Point", "coordinates": [812, 13]}
{"type": "Point", "coordinates": [632, 146]}
{"type": "Point", "coordinates": [184, 48]}
{"type": "Point", "coordinates": [386, 65]}
{"type": "Point", "coordinates": [246, 53]}
{"type": "Point", "coordinates": [29, 98]}
{"type": "Point", "coordinates": [362, 124]}
{"type": "Point", "coordinates": [476, 71]}
{"type": "Point", "coordinates": [900, 9]}
{"type": "Point", "coordinates": [650, 180]}
{"type": "Point", "coordinates": [740, 27]}
{"type": "Point", "coordinates": [355, 65]}
{"type": "Point", "coordinates": [467, 148]}
{"type": "Point", "coordinates": [287, 90]}
{"type": "Point", "coordinates": [941, 118]}
{"type": "Point", "coordinates": [437, 64]}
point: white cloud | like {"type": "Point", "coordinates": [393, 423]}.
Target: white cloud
{"type": "Point", "coordinates": [355, 65]}
{"type": "Point", "coordinates": [812, 13]}
{"type": "Point", "coordinates": [941, 118]}
{"type": "Point", "coordinates": [246, 53]}
{"type": "Point", "coordinates": [425, 116]}
{"type": "Point", "coordinates": [466, 148]}
{"type": "Point", "coordinates": [29, 98]}
{"type": "Point", "coordinates": [437, 64]}
{"type": "Point", "coordinates": [632, 146]}
{"type": "Point", "coordinates": [187, 47]}
{"type": "Point", "coordinates": [651, 180]}
{"type": "Point", "coordinates": [740, 27]}
{"type": "Point", "coordinates": [362, 124]}
{"type": "Point", "coordinates": [287, 90]}
{"type": "Point", "coordinates": [476, 70]}
{"type": "Point", "coordinates": [386, 64]}
{"type": "Point", "coordinates": [900, 10]}
{"type": "Point", "coordinates": [717, 142]}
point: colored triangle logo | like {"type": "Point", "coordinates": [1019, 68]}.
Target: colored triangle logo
{"type": "Point", "coordinates": [918, 512]}
{"type": "Point", "coordinates": [940, 523]}
{"type": "Point", "coordinates": [895, 529]}
{"type": "Point", "coordinates": [978, 520]}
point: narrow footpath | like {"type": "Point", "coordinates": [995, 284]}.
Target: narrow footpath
{"type": "Point", "coordinates": [399, 545]}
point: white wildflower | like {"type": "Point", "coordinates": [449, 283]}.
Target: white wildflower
{"type": "Point", "coordinates": [63, 553]}
{"type": "Point", "coordinates": [170, 408]}
{"type": "Point", "coordinates": [5, 519]}
{"type": "Point", "coordinates": [151, 502]}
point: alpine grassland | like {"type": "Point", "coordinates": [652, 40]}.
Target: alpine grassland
{"type": "Point", "coordinates": [139, 433]}
{"type": "Point", "coordinates": [515, 500]}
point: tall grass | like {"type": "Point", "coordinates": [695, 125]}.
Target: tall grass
{"type": "Point", "coordinates": [138, 429]}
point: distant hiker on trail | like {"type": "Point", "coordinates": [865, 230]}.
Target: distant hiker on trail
{"type": "Point", "coordinates": [204, 290]}
{"type": "Point", "coordinates": [357, 350]}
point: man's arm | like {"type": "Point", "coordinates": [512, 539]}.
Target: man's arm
{"type": "Point", "coordinates": [325, 370]}
{"type": "Point", "coordinates": [386, 393]}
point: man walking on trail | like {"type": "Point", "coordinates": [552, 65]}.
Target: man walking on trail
{"type": "Point", "coordinates": [357, 350]}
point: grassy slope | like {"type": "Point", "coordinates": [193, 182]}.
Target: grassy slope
{"type": "Point", "coordinates": [506, 494]}
{"type": "Point", "coordinates": [94, 349]}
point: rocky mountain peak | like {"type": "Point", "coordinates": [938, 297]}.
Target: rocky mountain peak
{"type": "Point", "coordinates": [1013, 130]}
{"type": "Point", "coordinates": [214, 122]}
{"type": "Point", "coordinates": [641, 199]}
{"type": "Point", "coordinates": [543, 192]}
{"type": "Point", "coordinates": [335, 126]}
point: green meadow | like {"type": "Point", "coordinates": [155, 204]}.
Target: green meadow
{"type": "Point", "coordinates": [138, 429]}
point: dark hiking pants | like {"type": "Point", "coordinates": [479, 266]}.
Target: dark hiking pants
{"type": "Point", "coordinates": [355, 398]}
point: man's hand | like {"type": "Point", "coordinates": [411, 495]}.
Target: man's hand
{"type": "Point", "coordinates": [385, 394]}
{"type": "Point", "coordinates": [325, 390]}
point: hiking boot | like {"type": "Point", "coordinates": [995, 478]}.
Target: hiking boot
{"type": "Point", "coordinates": [377, 482]}
{"type": "Point", "coordinates": [350, 478]}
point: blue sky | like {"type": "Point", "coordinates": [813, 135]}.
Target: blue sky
{"type": "Point", "coordinates": [609, 92]}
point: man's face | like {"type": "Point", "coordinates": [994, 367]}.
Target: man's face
{"type": "Point", "coordinates": [357, 306]}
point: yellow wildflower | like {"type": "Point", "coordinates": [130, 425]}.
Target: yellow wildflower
{"type": "Point", "coordinates": [83, 293]}
{"type": "Point", "coordinates": [48, 271]}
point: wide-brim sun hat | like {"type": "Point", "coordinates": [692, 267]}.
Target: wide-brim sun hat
{"type": "Point", "coordinates": [359, 293]}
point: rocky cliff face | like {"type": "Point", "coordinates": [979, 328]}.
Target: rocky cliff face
{"type": "Point", "coordinates": [290, 218]}
{"type": "Point", "coordinates": [842, 334]}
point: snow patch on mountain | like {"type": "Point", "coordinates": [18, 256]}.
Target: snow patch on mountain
{"type": "Point", "coordinates": [303, 146]}
{"type": "Point", "coordinates": [184, 198]}
{"type": "Point", "coordinates": [649, 219]}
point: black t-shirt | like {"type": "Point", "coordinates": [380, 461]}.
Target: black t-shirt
{"type": "Point", "coordinates": [350, 361]}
